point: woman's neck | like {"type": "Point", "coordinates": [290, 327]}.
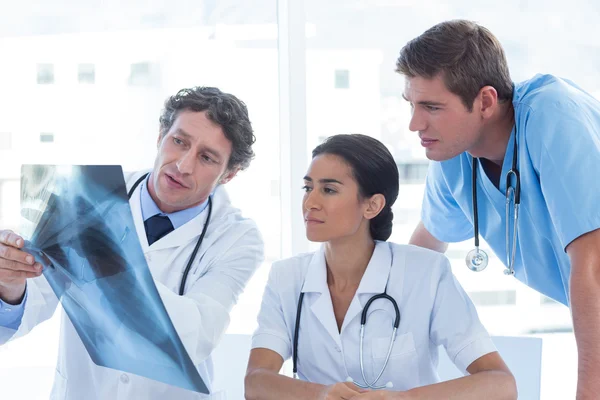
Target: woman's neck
{"type": "Point", "coordinates": [347, 260]}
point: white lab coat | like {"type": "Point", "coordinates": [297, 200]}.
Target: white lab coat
{"type": "Point", "coordinates": [231, 251]}
{"type": "Point", "coordinates": [434, 310]}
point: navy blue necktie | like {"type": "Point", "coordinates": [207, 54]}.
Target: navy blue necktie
{"type": "Point", "coordinates": [157, 227]}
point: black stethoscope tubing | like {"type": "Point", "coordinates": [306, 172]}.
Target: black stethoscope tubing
{"type": "Point", "coordinates": [517, 198]}
{"type": "Point", "coordinates": [363, 321]}
{"type": "Point", "coordinates": [198, 243]}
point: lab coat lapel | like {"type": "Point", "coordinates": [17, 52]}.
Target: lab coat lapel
{"type": "Point", "coordinates": [373, 282]}
{"type": "Point", "coordinates": [192, 230]}
{"type": "Point", "coordinates": [136, 212]}
{"type": "Point", "coordinates": [184, 234]}
{"type": "Point", "coordinates": [179, 237]}
{"type": "Point", "coordinates": [316, 284]}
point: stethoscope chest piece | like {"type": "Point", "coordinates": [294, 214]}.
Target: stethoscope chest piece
{"type": "Point", "coordinates": [477, 260]}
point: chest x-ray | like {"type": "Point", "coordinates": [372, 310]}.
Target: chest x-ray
{"type": "Point", "coordinates": [77, 222]}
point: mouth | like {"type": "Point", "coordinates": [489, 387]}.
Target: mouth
{"type": "Point", "coordinates": [425, 142]}
{"type": "Point", "coordinates": [313, 221]}
{"type": "Point", "coordinates": [174, 182]}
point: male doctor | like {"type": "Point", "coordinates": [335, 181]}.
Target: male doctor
{"type": "Point", "coordinates": [476, 126]}
{"type": "Point", "coordinates": [205, 138]}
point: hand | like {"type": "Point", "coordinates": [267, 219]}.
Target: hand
{"type": "Point", "coordinates": [340, 391]}
{"type": "Point", "coordinates": [15, 267]}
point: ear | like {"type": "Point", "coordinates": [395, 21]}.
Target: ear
{"type": "Point", "coordinates": [228, 175]}
{"type": "Point", "coordinates": [488, 97]}
{"type": "Point", "coordinates": [375, 204]}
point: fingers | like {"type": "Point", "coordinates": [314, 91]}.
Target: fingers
{"type": "Point", "coordinates": [14, 266]}
{"type": "Point", "coordinates": [7, 275]}
{"type": "Point", "coordinates": [15, 259]}
{"type": "Point", "coordinates": [10, 238]}
{"type": "Point", "coordinates": [356, 388]}
{"type": "Point", "coordinates": [347, 392]}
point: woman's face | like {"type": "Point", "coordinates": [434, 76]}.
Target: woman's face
{"type": "Point", "coordinates": [332, 206]}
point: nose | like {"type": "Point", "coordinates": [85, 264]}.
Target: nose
{"type": "Point", "coordinates": [186, 163]}
{"type": "Point", "coordinates": [417, 121]}
{"type": "Point", "coordinates": [311, 201]}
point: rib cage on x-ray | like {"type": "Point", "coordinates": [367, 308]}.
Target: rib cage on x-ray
{"type": "Point", "coordinates": [77, 222]}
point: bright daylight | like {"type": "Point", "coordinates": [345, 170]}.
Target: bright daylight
{"type": "Point", "coordinates": [299, 199]}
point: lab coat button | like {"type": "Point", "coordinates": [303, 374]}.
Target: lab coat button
{"type": "Point", "coordinates": [124, 378]}
{"type": "Point", "coordinates": [338, 349]}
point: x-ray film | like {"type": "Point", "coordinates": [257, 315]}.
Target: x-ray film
{"type": "Point", "coordinates": [77, 222]}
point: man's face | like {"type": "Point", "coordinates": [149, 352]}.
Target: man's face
{"type": "Point", "coordinates": [445, 126]}
{"type": "Point", "coordinates": [192, 159]}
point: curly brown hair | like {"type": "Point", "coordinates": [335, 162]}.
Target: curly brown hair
{"type": "Point", "coordinates": [224, 109]}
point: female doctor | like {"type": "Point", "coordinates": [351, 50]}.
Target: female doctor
{"type": "Point", "coordinates": [317, 299]}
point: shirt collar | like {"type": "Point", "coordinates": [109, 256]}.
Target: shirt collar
{"type": "Point", "coordinates": [373, 281]}
{"type": "Point", "coordinates": [178, 218]}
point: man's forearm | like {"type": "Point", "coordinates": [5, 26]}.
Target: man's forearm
{"type": "Point", "coordinates": [585, 306]}
{"type": "Point", "coordinates": [421, 237]}
{"type": "Point", "coordinates": [584, 253]}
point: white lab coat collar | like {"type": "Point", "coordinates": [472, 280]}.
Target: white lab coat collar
{"type": "Point", "coordinates": [185, 233]}
{"type": "Point", "coordinates": [373, 282]}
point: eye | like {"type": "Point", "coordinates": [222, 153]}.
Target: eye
{"type": "Point", "coordinates": [207, 159]}
{"type": "Point", "coordinates": [306, 188]}
{"type": "Point", "coordinates": [329, 190]}
{"type": "Point", "coordinates": [432, 108]}
{"type": "Point", "coordinates": [177, 141]}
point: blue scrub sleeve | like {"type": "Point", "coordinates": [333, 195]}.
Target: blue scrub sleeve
{"type": "Point", "coordinates": [11, 315]}
{"type": "Point", "coordinates": [440, 213]}
{"type": "Point", "coordinates": [563, 140]}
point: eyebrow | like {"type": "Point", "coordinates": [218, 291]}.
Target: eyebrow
{"type": "Point", "coordinates": [325, 180]}
{"type": "Point", "coordinates": [426, 102]}
{"type": "Point", "coordinates": [207, 149]}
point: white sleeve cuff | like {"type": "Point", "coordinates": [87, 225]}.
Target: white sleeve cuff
{"type": "Point", "coordinates": [272, 341]}
{"type": "Point", "coordinates": [471, 352]}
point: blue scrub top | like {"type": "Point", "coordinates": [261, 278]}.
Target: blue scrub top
{"type": "Point", "coordinates": [558, 143]}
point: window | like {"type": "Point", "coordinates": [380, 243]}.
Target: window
{"type": "Point", "coordinates": [45, 74]}
{"type": "Point", "coordinates": [342, 79]}
{"type": "Point", "coordinates": [134, 64]}
{"type": "Point", "coordinates": [5, 143]}
{"type": "Point", "coordinates": [547, 300]}
{"type": "Point", "coordinates": [87, 73]}
{"type": "Point", "coordinates": [494, 298]}
{"type": "Point", "coordinates": [412, 172]}
{"type": "Point", "coordinates": [140, 74]}
{"type": "Point", "coordinates": [46, 137]}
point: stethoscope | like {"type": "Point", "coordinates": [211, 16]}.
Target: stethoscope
{"type": "Point", "coordinates": [477, 259]}
{"type": "Point", "coordinates": [198, 243]}
{"type": "Point", "coordinates": [363, 321]}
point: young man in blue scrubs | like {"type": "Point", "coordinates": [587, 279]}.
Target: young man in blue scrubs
{"type": "Point", "coordinates": [468, 112]}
